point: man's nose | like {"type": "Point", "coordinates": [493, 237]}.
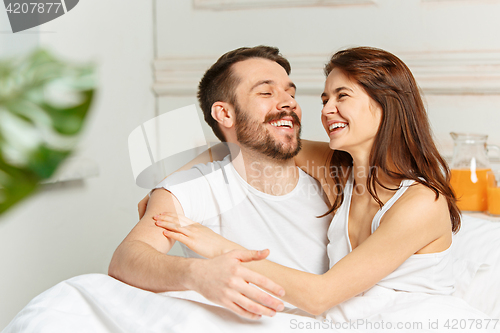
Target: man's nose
{"type": "Point", "coordinates": [287, 101]}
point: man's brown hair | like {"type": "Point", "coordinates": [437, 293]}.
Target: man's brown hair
{"type": "Point", "coordinates": [219, 82]}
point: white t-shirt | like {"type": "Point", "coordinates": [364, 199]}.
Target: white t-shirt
{"type": "Point", "coordinates": [216, 196]}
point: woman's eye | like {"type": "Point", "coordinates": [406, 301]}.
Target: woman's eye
{"type": "Point", "coordinates": [341, 96]}
{"type": "Point", "coordinates": [324, 102]}
{"type": "Point", "coordinates": [265, 93]}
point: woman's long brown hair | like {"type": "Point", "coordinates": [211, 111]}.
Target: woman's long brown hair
{"type": "Point", "coordinates": [403, 147]}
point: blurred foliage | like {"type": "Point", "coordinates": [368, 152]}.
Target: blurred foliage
{"type": "Point", "coordinates": [43, 104]}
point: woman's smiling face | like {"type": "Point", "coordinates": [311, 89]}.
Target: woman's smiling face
{"type": "Point", "coordinates": [350, 117]}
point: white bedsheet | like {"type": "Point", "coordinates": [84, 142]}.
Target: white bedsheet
{"type": "Point", "coordinates": [478, 245]}
{"type": "Point", "coordinates": [98, 303]}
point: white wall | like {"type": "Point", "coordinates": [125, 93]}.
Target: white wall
{"type": "Point", "coordinates": [450, 45]}
{"type": "Point", "coordinates": [73, 228]}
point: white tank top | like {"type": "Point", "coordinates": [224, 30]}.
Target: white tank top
{"type": "Point", "coordinates": [429, 273]}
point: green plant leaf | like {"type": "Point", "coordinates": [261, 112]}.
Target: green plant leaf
{"type": "Point", "coordinates": [43, 104]}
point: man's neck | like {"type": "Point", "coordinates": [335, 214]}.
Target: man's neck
{"type": "Point", "coordinates": [266, 174]}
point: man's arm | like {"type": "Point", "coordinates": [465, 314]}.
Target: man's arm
{"type": "Point", "coordinates": [141, 260]}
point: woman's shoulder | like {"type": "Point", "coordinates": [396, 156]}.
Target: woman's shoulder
{"type": "Point", "coordinates": [426, 217]}
{"type": "Point", "coordinates": [421, 203]}
{"type": "Point", "coordinates": [421, 192]}
{"type": "Point", "coordinates": [420, 195]}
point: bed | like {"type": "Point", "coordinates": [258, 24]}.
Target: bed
{"type": "Point", "coordinates": [99, 303]}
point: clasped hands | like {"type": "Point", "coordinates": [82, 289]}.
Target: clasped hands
{"type": "Point", "coordinates": [225, 280]}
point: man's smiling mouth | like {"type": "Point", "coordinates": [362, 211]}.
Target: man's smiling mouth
{"type": "Point", "coordinates": [282, 123]}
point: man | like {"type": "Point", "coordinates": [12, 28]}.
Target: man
{"type": "Point", "coordinates": [256, 197]}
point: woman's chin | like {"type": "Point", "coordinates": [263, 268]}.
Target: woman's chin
{"type": "Point", "coordinates": [336, 143]}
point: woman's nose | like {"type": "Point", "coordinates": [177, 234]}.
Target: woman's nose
{"type": "Point", "coordinates": [329, 108]}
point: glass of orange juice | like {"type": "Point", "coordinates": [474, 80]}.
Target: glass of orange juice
{"type": "Point", "coordinates": [493, 189]}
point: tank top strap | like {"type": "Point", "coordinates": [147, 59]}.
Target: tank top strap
{"type": "Point", "coordinates": [402, 189]}
{"type": "Point", "coordinates": [348, 188]}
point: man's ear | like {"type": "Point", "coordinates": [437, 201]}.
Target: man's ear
{"type": "Point", "coordinates": [223, 113]}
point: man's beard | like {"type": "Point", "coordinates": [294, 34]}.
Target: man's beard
{"type": "Point", "coordinates": [254, 135]}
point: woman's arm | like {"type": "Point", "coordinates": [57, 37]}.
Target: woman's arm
{"type": "Point", "coordinates": [403, 231]}
{"type": "Point", "coordinates": [314, 159]}
{"type": "Point", "coordinates": [215, 153]}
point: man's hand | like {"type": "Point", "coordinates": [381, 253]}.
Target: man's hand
{"type": "Point", "coordinates": [142, 205]}
{"type": "Point", "coordinates": [227, 282]}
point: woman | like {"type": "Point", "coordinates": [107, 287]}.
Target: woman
{"type": "Point", "coordinates": [395, 211]}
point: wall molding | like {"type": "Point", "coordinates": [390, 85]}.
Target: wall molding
{"type": "Point", "coordinates": [471, 1]}
{"type": "Point", "coordinates": [444, 73]}
{"type": "Point", "coordinates": [252, 4]}
{"type": "Point", "coordinates": [456, 73]}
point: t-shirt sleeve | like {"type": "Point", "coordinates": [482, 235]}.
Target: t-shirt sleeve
{"type": "Point", "coordinates": [191, 188]}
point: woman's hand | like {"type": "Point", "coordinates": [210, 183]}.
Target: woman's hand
{"type": "Point", "coordinates": [195, 236]}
